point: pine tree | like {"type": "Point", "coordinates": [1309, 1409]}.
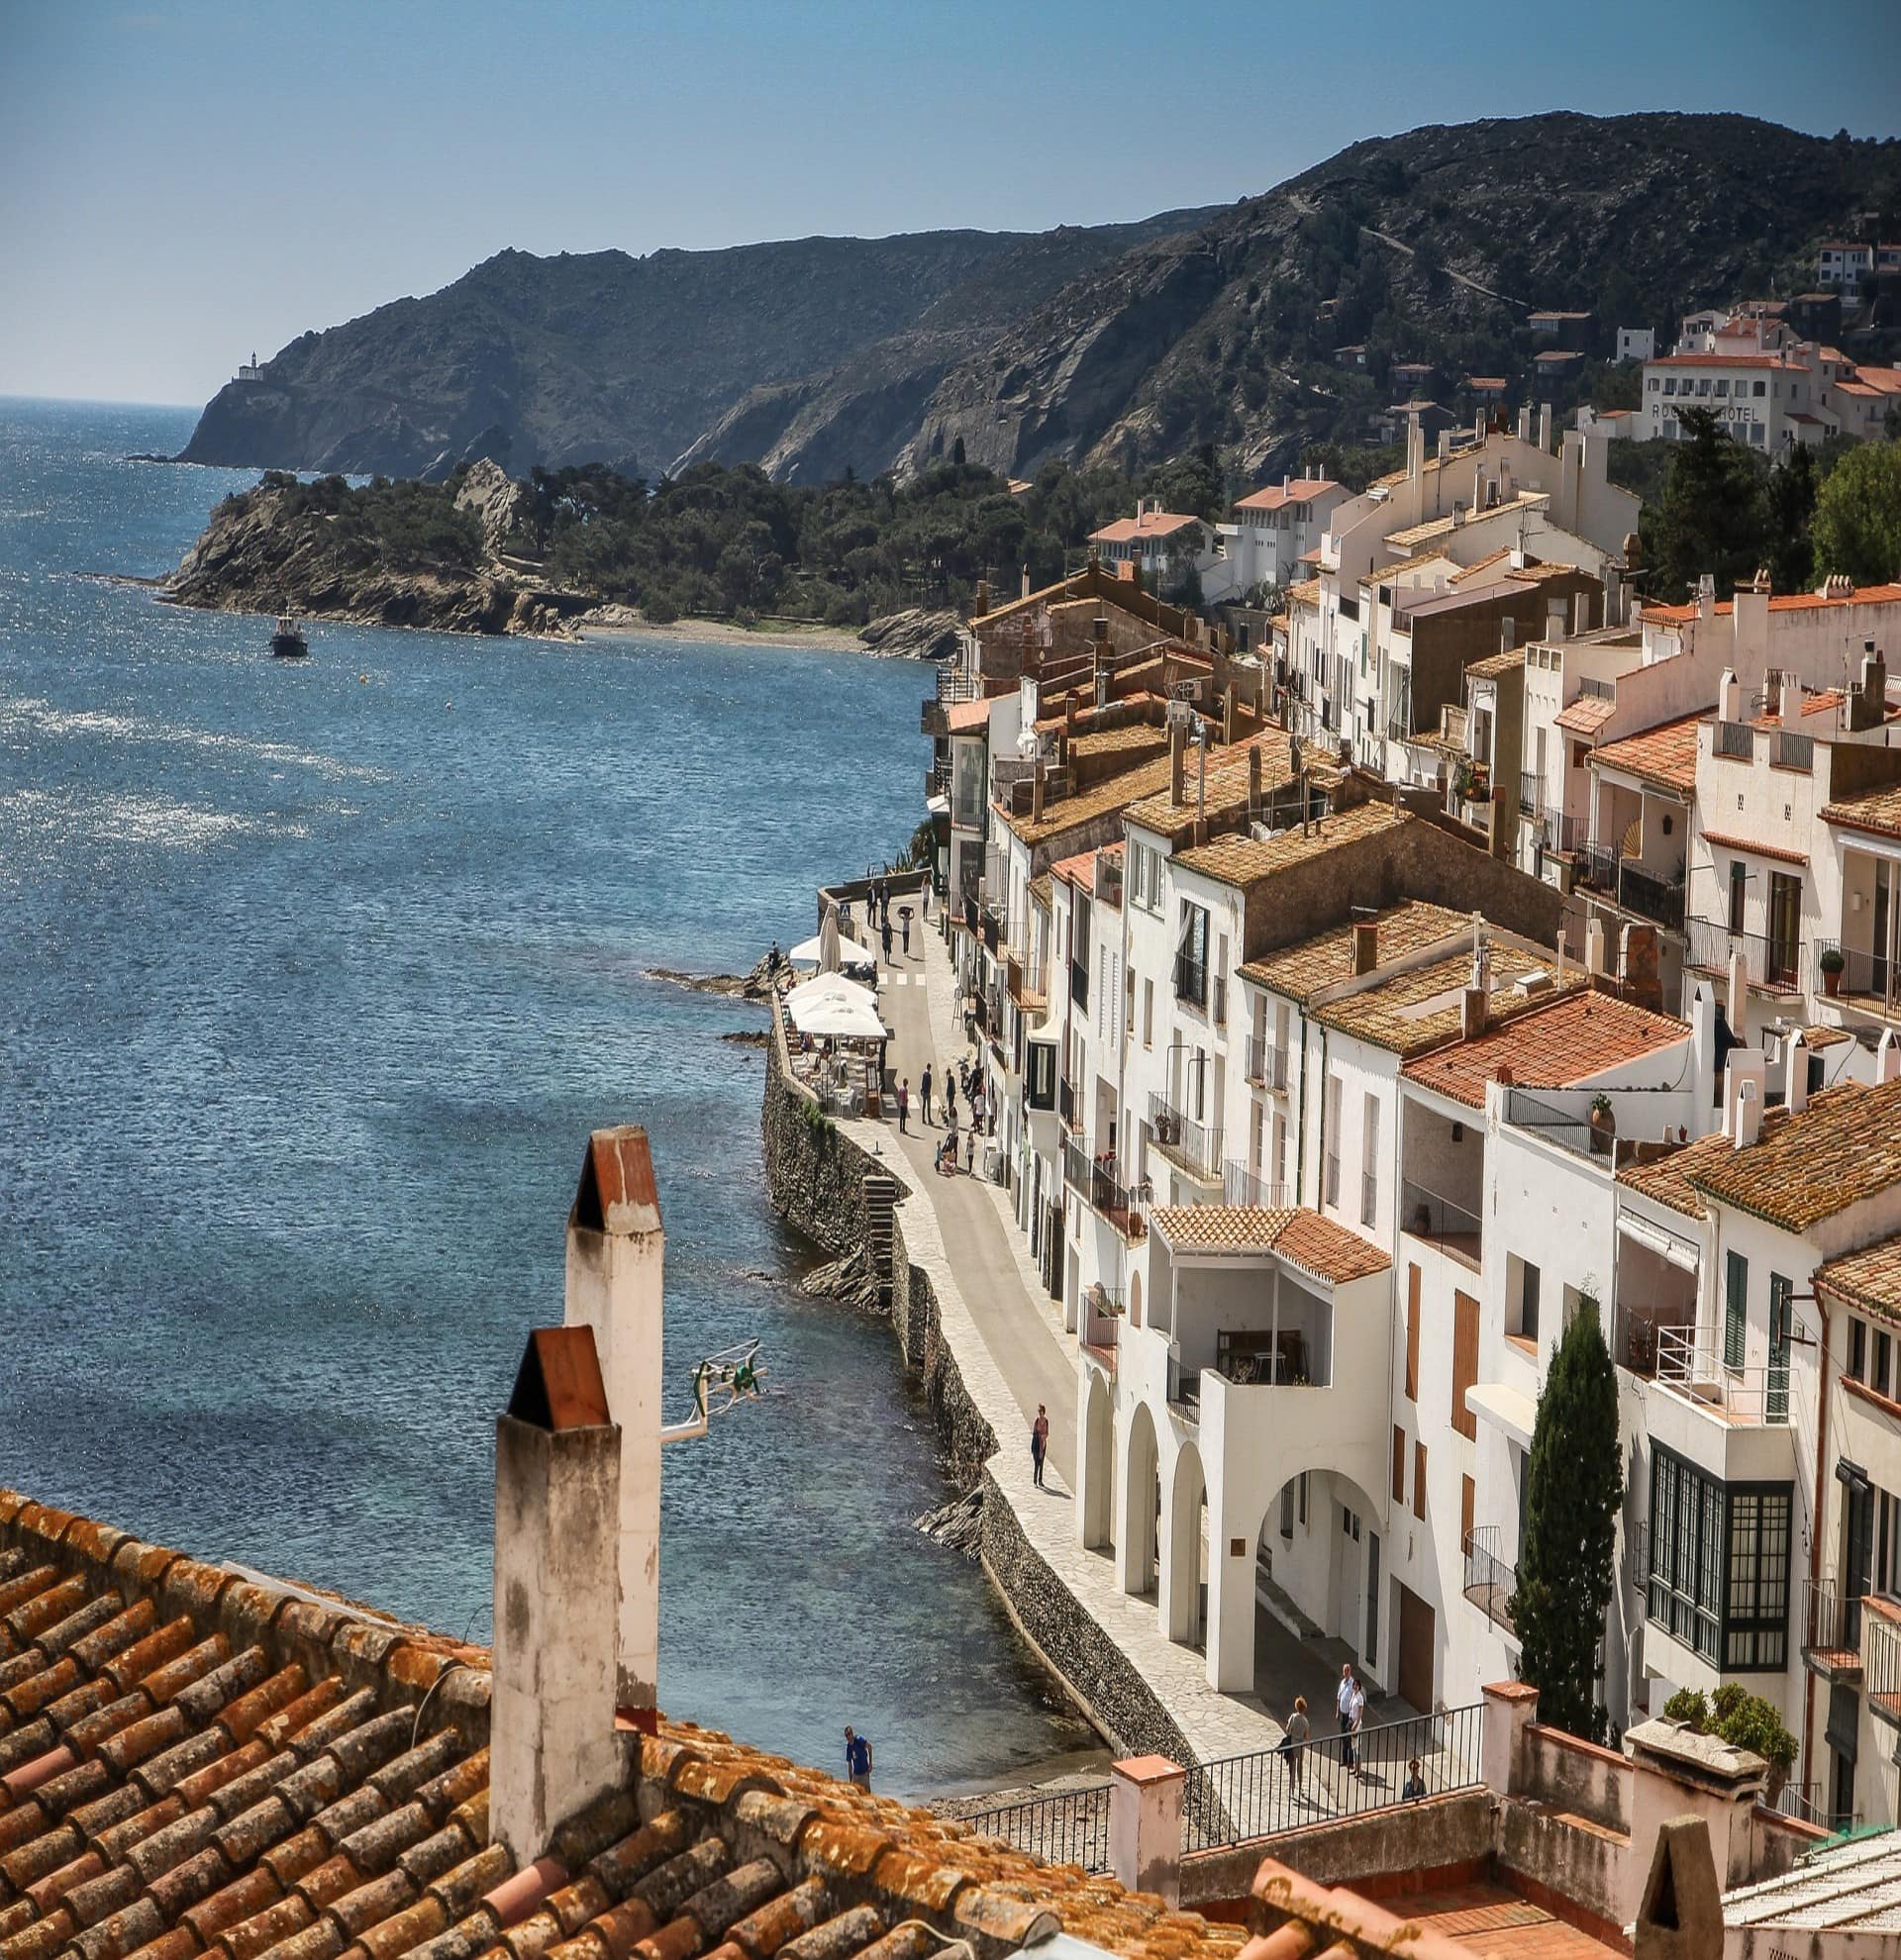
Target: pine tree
{"type": "Point", "coordinates": [1712, 517]}
{"type": "Point", "coordinates": [1568, 1533]}
{"type": "Point", "coordinates": [1791, 511]}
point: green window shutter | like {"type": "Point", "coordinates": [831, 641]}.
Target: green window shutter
{"type": "Point", "coordinates": [1735, 1309]}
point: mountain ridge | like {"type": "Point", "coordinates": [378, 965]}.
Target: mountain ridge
{"type": "Point", "coordinates": [1124, 344]}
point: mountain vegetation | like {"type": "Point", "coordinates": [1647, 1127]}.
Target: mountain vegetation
{"type": "Point", "coordinates": [1116, 346]}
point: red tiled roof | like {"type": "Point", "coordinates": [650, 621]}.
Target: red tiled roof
{"type": "Point", "coordinates": [1664, 755]}
{"type": "Point", "coordinates": [1845, 1146]}
{"type": "Point", "coordinates": [969, 716]}
{"type": "Point", "coordinates": [1780, 852]}
{"type": "Point", "coordinates": [1586, 715]}
{"type": "Point", "coordinates": [1316, 1244]}
{"type": "Point", "coordinates": [1299, 491]}
{"type": "Point", "coordinates": [1869, 1278]}
{"type": "Point", "coordinates": [195, 1761]}
{"type": "Point", "coordinates": [1782, 601]}
{"type": "Point", "coordinates": [1727, 360]}
{"type": "Point", "coordinates": [1874, 810]}
{"type": "Point", "coordinates": [1152, 523]}
{"type": "Point", "coordinates": [1576, 1038]}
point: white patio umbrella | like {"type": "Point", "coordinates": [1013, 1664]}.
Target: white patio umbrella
{"type": "Point", "coordinates": [828, 941]}
{"type": "Point", "coordinates": [811, 952]}
{"type": "Point", "coordinates": [844, 1020]}
{"type": "Point", "coordinates": [831, 987]}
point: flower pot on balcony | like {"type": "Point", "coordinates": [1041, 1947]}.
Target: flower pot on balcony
{"type": "Point", "coordinates": [1830, 981]}
{"type": "Point", "coordinates": [1603, 1128]}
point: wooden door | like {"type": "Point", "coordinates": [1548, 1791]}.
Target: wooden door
{"type": "Point", "coordinates": [1415, 1651]}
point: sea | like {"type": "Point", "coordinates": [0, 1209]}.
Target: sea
{"type": "Point", "coordinates": [314, 978]}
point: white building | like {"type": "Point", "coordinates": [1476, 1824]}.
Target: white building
{"type": "Point", "coordinates": [1163, 545]}
{"type": "Point", "coordinates": [1634, 343]}
{"type": "Point", "coordinates": [1274, 527]}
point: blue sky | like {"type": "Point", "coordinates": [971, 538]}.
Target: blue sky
{"type": "Point", "coordinates": [179, 183]}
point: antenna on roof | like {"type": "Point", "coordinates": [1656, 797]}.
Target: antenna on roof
{"type": "Point", "coordinates": [730, 1376]}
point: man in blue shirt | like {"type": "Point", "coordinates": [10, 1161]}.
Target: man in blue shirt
{"type": "Point", "coordinates": [858, 1758]}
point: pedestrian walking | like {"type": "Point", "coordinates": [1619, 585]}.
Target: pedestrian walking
{"type": "Point", "coordinates": [858, 1758]}
{"type": "Point", "coordinates": [949, 1101]}
{"type": "Point", "coordinates": [1344, 1698]}
{"type": "Point", "coordinates": [924, 1090]}
{"type": "Point", "coordinates": [887, 938]}
{"type": "Point", "coordinates": [1293, 1745]}
{"type": "Point", "coordinates": [904, 925]}
{"type": "Point", "coordinates": [1039, 1442]}
{"type": "Point", "coordinates": [970, 1150]}
{"type": "Point", "coordinates": [904, 1103]}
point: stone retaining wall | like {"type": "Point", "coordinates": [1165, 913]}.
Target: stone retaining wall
{"type": "Point", "coordinates": [814, 1175]}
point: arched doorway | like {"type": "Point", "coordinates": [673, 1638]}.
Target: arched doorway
{"type": "Point", "coordinates": [1184, 1607]}
{"type": "Point", "coordinates": [1098, 1466]}
{"type": "Point", "coordinates": [1140, 1507]}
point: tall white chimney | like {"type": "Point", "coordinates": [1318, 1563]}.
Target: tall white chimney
{"type": "Point", "coordinates": [554, 1746]}
{"type": "Point", "coordinates": [616, 1268]}
{"type": "Point", "coordinates": [1795, 1061]}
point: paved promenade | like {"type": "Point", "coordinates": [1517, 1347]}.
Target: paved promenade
{"type": "Point", "coordinates": [1013, 1353]}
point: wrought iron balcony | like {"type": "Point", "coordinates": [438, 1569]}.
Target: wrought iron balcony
{"type": "Point", "coordinates": [1239, 1186]}
{"type": "Point", "coordinates": [1267, 1063]}
{"type": "Point", "coordinates": [1194, 1145]}
{"type": "Point", "coordinates": [1489, 1581]}
{"type": "Point", "coordinates": [1773, 965]}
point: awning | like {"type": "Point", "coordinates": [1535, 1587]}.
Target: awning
{"type": "Point", "coordinates": [1665, 1245]}
{"type": "Point", "coordinates": [1504, 1407]}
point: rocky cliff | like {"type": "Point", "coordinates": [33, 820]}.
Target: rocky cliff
{"type": "Point", "coordinates": [601, 358]}
{"type": "Point", "coordinates": [1125, 343]}
{"type": "Point", "coordinates": [270, 551]}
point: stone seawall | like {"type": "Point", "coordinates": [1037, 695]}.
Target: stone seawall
{"type": "Point", "coordinates": [815, 1176]}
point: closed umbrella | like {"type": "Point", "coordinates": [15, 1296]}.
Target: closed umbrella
{"type": "Point", "coordinates": [828, 941]}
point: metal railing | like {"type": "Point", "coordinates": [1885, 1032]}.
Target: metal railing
{"type": "Point", "coordinates": [1598, 690]}
{"type": "Point", "coordinates": [1832, 1635]}
{"type": "Point", "coordinates": [1109, 879]}
{"type": "Point", "coordinates": [1556, 830]}
{"type": "Point", "coordinates": [1805, 1801]}
{"type": "Point", "coordinates": [1775, 965]}
{"type": "Point", "coordinates": [1080, 983]}
{"type": "Point", "coordinates": [1096, 1184]}
{"type": "Point", "coordinates": [1424, 1214]}
{"type": "Point", "coordinates": [1195, 1147]}
{"type": "Point", "coordinates": [992, 927]}
{"type": "Point", "coordinates": [1650, 895]}
{"type": "Point", "coordinates": [1489, 1581]}
{"type": "Point", "coordinates": [1066, 1827]}
{"type": "Point", "coordinates": [1881, 1664]}
{"type": "Point", "coordinates": [1239, 1186]}
{"type": "Point", "coordinates": [1864, 976]}
{"type": "Point", "coordinates": [1078, 1171]}
{"type": "Point", "coordinates": [1791, 750]}
{"type": "Point", "coordinates": [937, 779]}
{"type": "Point", "coordinates": [1634, 1340]}
{"type": "Point", "coordinates": [1267, 1063]}
{"type": "Point", "coordinates": [1067, 1100]}
{"type": "Point", "coordinates": [1694, 1369]}
{"type": "Point", "coordinates": [1531, 790]}
{"type": "Point", "coordinates": [1239, 1798]}
{"type": "Point", "coordinates": [954, 684]}
{"type": "Point", "coordinates": [1597, 865]}
{"type": "Point", "coordinates": [1736, 740]}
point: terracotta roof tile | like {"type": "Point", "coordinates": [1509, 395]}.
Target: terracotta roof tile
{"type": "Point", "coordinates": [1870, 1279]}
{"type": "Point", "coordinates": [1664, 755]}
{"type": "Point", "coordinates": [1300, 971]}
{"type": "Point", "coordinates": [969, 716]}
{"type": "Point", "coordinates": [1875, 810]}
{"type": "Point", "coordinates": [1586, 715]}
{"type": "Point", "coordinates": [1299, 491]}
{"type": "Point", "coordinates": [1243, 860]}
{"type": "Point", "coordinates": [238, 1798]}
{"type": "Point", "coordinates": [1495, 664]}
{"type": "Point", "coordinates": [1316, 1244]}
{"type": "Point", "coordinates": [1845, 1146]}
{"type": "Point", "coordinates": [1576, 1038]}
{"type": "Point", "coordinates": [1409, 1012]}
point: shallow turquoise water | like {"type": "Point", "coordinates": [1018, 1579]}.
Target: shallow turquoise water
{"type": "Point", "coordinates": [312, 981]}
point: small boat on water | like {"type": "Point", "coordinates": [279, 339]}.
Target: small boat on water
{"type": "Point", "coordinates": [288, 641]}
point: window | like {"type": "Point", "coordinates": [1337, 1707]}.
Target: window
{"type": "Point", "coordinates": [1419, 1480]}
{"type": "Point", "coordinates": [1739, 892]}
{"type": "Point", "coordinates": [1148, 1014]}
{"type": "Point", "coordinates": [1465, 1361]}
{"type": "Point", "coordinates": [1883, 1355]}
{"type": "Point", "coordinates": [1521, 1303]}
{"type": "Point", "coordinates": [1412, 1333]}
{"type": "Point", "coordinates": [1040, 1082]}
{"type": "Point", "coordinates": [1858, 1349]}
{"type": "Point", "coordinates": [1761, 390]}
{"type": "Point", "coordinates": [1329, 1187]}
{"type": "Point", "coordinates": [1722, 387]}
{"type": "Point", "coordinates": [1719, 1577]}
{"type": "Point", "coordinates": [1369, 1161]}
{"type": "Point", "coordinates": [1191, 955]}
{"type": "Point", "coordinates": [1467, 1510]}
{"type": "Point", "coordinates": [1736, 1309]}
{"type": "Point", "coordinates": [1670, 386]}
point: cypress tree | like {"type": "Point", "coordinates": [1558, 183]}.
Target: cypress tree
{"type": "Point", "coordinates": [1567, 1539]}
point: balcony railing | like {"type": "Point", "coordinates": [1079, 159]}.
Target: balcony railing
{"type": "Point", "coordinates": [1693, 1368]}
{"type": "Point", "coordinates": [1599, 690]}
{"type": "Point", "coordinates": [937, 780]}
{"type": "Point", "coordinates": [1067, 1101]}
{"type": "Point", "coordinates": [1556, 830]}
{"type": "Point", "coordinates": [1868, 979]}
{"type": "Point", "coordinates": [1881, 1659]}
{"type": "Point", "coordinates": [1832, 1640]}
{"type": "Point", "coordinates": [1531, 790]}
{"type": "Point", "coordinates": [1650, 895]}
{"type": "Point", "coordinates": [1094, 1181]}
{"type": "Point", "coordinates": [1809, 1803]}
{"type": "Point", "coordinates": [1194, 1145]}
{"type": "Point", "coordinates": [1793, 751]}
{"type": "Point", "coordinates": [1637, 1329]}
{"type": "Point", "coordinates": [992, 928]}
{"type": "Point", "coordinates": [1239, 1186]}
{"type": "Point", "coordinates": [1077, 1170]}
{"type": "Point", "coordinates": [1773, 965]}
{"type": "Point", "coordinates": [1425, 1214]}
{"type": "Point", "coordinates": [1068, 1827]}
{"type": "Point", "coordinates": [1266, 1062]}
{"type": "Point", "coordinates": [1736, 740]}
{"type": "Point", "coordinates": [1191, 980]}
{"type": "Point", "coordinates": [1489, 1581]}
{"type": "Point", "coordinates": [1109, 879]}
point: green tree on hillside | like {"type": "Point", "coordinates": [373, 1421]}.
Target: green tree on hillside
{"type": "Point", "coordinates": [1857, 516]}
{"type": "Point", "coordinates": [1712, 517]}
{"type": "Point", "coordinates": [1574, 1486]}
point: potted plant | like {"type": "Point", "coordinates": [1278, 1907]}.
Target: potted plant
{"type": "Point", "coordinates": [1603, 1123]}
{"type": "Point", "coordinates": [1832, 964]}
